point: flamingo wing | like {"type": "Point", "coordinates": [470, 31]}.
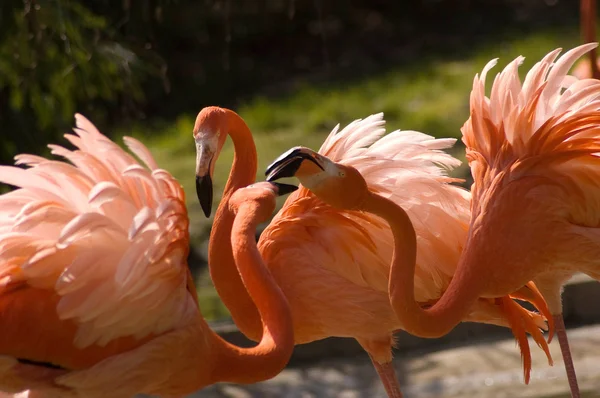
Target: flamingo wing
{"type": "Point", "coordinates": [103, 234]}
{"type": "Point", "coordinates": [408, 167]}
{"type": "Point", "coordinates": [545, 126]}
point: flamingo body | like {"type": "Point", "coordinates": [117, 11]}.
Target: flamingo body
{"type": "Point", "coordinates": [537, 161]}
{"type": "Point", "coordinates": [533, 151]}
{"type": "Point", "coordinates": [590, 68]}
{"type": "Point", "coordinates": [534, 158]}
{"type": "Point", "coordinates": [96, 298]}
{"type": "Point", "coordinates": [343, 283]}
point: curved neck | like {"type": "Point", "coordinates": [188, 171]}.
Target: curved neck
{"type": "Point", "coordinates": [588, 26]}
{"type": "Point", "coordinates": [271, 355]}
{"type": "Point", "coordinates": [450, 309]}
{"type": "Point", "coordinates": [222, 267]}
{"type": "Point", "coordinates": [243, 170]}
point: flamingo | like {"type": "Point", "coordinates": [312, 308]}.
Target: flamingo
{"type": "Point", "coordinates": [96, 298]}
{"type": "Point", "coordinates": [587, 69]}
{"type": "Point", "coordinates": [533, 151]}
{"type": "Point", "coordinates": [333, 266]}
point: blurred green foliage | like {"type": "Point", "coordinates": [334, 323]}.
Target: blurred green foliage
{"type": "Point", "coordinates": [119, 61]}
{"type": "Point", "coordinates": [58, 57]}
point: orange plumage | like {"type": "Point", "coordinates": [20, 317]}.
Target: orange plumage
{"type": "Point", "coordinates": [534, 151]}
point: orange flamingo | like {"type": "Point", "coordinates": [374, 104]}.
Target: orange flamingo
{"type": "Point", "coordinates": [533, 151]}
{"type": "Point", "coordinates": [343, 187]}
{"type": "Point", "coordinates": [586, 69]}
{"type": "Point", "coordinates": [543, 144]}
{"type": "Point", "coordinates": [334, 266]}
{"type": "Point", "coordinates": [96, 298]}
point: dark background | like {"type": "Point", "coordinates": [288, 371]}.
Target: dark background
{"type": "Point", "coordinates": [118, 61]}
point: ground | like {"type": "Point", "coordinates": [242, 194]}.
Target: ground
{"type": "Point", "coordinates": [490, 370]}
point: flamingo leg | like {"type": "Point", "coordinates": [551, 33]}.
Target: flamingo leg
{"type": "Point", "coordinates": [588, 21]}
{"type": "Point", "coordinates": [387, 374]}
{"type": "Point", "coordinates": [561, 333]}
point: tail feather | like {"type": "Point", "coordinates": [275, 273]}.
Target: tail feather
{"type": "Point", "coordinates": [530, 293]}
{"type": "Point", "coordinates": [523, 118]}
{"type": "Point", "coordinates": [521, 322]}
{"type": "Point", "coordinates": [549, 126]}
{"type": "Point", "coordinates": [104, 205]}
{"type": "Point", "coordinates": [518, 329]}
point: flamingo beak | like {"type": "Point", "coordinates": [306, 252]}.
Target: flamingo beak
{"type": "Point", "coordinates": [205, 154]}
{"type": "Point", "coordinates": [284, 189]}
{"type": "Point", "coordinates": [288, 163]}
{"type": "Point", "coordinates": [204, 191]}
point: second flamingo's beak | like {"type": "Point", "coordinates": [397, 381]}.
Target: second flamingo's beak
{"type": "Point", "coordinates": [288, 163]}
{"type": "Point", "coordinates": [284, 189]}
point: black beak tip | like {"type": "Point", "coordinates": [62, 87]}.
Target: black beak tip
{"type": "Point", "coordinates": [284, 189]}
{"type": "Point", "coordinates": [207, 210]}
{"type": "Point", "coordinates": [204, 191]}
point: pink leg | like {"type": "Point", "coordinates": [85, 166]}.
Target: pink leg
{"type": "Point", "coordinates": [561, 333]}
{"type": "Point", "coordinates": [387, 374]}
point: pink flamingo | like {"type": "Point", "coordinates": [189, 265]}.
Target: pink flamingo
{"type": "Point", "coordinates": [96, 298]}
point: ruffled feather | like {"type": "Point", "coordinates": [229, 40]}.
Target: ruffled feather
{"type": "Point", "coordinates": [548, 126]}
{"type": "Point", "coordinates": [107, 234]}
{"type": "Point", "coordinates": [411, 169]}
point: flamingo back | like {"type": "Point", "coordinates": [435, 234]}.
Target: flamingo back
{"type": "Point", "coordinates": [408, 167]}
{"type": "Point", "coordinates": [548, 126]}
{"type": "Point", "coordinates": [105, 234]}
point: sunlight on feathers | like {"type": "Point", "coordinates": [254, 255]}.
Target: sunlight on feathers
{"type": "Point", "coordinates": [109, 235]}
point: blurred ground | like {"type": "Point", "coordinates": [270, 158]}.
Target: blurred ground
{"type": "Point", "coordinates": [490, 370]}
{"type": "Point", "coordinates": [474, 360]}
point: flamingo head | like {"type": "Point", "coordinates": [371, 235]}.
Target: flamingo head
{"type": "Point", "coordinates": [341, 186]}
{"type": "Point", "coordinates": [210, 133]}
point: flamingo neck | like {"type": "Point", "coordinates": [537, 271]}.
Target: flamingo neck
{"type": "Point", "coordinates": [243, 170]}
{"type": "Point", "coordinates": [222, 267]}
{"type": "Point", "coordinates": [271, 355]}
{"type": "Point", "coordinates": [451, 308]}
